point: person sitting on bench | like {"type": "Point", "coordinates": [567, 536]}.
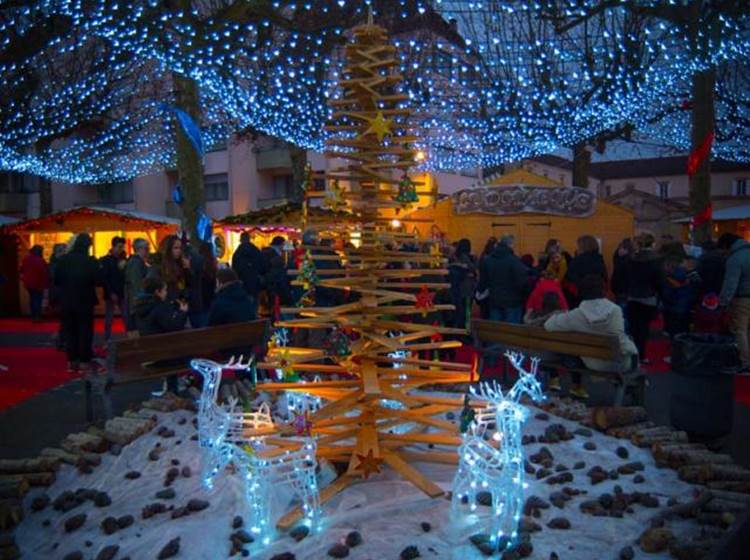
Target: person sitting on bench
{"type": "Point", "coordinates": [231, 303]}
{"type": "Point", "coordinates": [154, 314]}
{"type": "Point", "coordinates": [596, 315]}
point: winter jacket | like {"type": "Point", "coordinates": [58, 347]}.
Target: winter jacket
{"type": "Point", "coordinates": [276, 278]}
{"type": "Point", "coordinates": [77, 275]}
{"type": "Point", "coordinates": [737, 275]}
{"type": "Point", "coordinates": [34, 273]}
{"type": "Point", "coordinates": [544, 285]}
{"type": "Point", "coordinates": [156, 316]}
{"type": "Point", "coordinates": [113, 277]}
{"type": "Point", "coordinates": [711, 271]}
{"type": "Point", "coordinates": [597, 316]}
{"type": "Point", "coordinates": [505, 276]}
{"type": "Point", "coordinates": [248, 263]}
{"type": "Point", "coordinates": [585, 264]}
{"type": "Point", "coordinates": [619, 283]}
{"type": "Point", "coordinates": [644, 277]}
{"type": "Point", "coordinates": [231, 305]}
{"type": "Point", "coordinates": [135, 272]}
{"type": "Point", "coordinates": [678, 292]}
{"type": "Point", "coordinates": [462, 277]}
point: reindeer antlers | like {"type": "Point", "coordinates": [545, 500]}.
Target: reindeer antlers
{"type": "Point", "coordinates": [516, 360]}
{"type": "Point", "coordinates": [232, 364]}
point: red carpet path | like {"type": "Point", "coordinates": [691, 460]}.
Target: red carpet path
{"type": "Point", "coordinates": [35, 369]}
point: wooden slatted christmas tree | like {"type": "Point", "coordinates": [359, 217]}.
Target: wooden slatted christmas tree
{"type": "Point", "coordinates": [372, 417]}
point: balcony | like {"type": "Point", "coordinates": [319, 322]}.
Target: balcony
{"type": "Point", "coordinates": [269, 202]}
{"type": "Point", "coordinates": [13, 203]}
{"type": "Point", "coordinates": [272, 159]}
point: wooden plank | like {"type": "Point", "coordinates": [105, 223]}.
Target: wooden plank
{"type": "Point", "coordinates": [340, 406]}
{"type": "Point", "coordinates": [394, 460]}
{"type": "Point", "coordinates": [446, 458]}
{"type": "Point", "coordinates": [289, 519]}
{"type": "Point", "coordinates": [370, 382]}
{"type": "Point", "coordinates": [436, 439]}
{"type": "Point", "coordinates": [415, 416]}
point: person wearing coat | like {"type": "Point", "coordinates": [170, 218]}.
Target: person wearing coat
{"type": "Point", "coordinates": [76, 276]}
{"type": "Point", "coordinates": [596, 315]}
{"type": "Point", "coordinates": [154, 314]}
{"type": "Point", "coordinates": [588, 260]}
{"type": "Point", "coordinates": [644, 280]}
{"type": "Point", "coordinates": [735, 293]}
{"type": "Point", "coordinates": [35, 277]}
{"type": "Point", "coordinates": [231, 303]}
{"type": "Point", "coordinates": [276, 279]}
{"type": "Point", "coordinates": [247, 262]}
{"type": "Point", "coordinates": [504, 277]}
{"type": "Point", "coordinates": [113, 281]}
{"type": "Point", "coordinates": [135, 271]}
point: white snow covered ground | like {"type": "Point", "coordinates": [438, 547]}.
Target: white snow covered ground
{"type": "Point", "coordinates": [386, 510]}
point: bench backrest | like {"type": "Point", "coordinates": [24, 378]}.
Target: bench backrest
{"type": "Point", "coordinates": [536, 339]}
{"type": "Point", "coordinates": [126, 357]}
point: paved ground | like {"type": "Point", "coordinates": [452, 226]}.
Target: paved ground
{"type": "Point", "coordinates": [46, 419]}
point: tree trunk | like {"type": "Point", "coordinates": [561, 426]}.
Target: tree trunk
{"type": "Point", "coordinates": [299, 160]}
{"type": "Point", "coordinates": [581, 165]}
{"type": "Point", "coordinates": [45, 196]}
{"type": "Point", "coordinates": [702, 124]}
{"type": "Point", "coordinates": [189, 164]}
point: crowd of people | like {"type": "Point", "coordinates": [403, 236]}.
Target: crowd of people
{"type": "Point", "coordinates": [182, 284]}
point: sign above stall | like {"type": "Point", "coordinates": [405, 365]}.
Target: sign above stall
{"type": "Point", "coordinates": [574, 202]}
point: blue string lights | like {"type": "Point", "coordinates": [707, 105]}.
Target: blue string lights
{"type": "Point", "coordinates": [493, 89]}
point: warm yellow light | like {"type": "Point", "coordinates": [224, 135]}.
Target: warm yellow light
{"type": "Point", "coordinates": [395, 223]}
{"type": "Point", "coordinates": [419, 156]}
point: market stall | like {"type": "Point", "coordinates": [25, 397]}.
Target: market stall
{"type": "Point", "coordinates": [100, 222]}
{"type": "Point", "coordinates": [530, 207]}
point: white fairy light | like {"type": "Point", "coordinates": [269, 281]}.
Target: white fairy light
{"type": "Point", "coordinates": [223, 437]}
{"type": "Point", "coordinates": [499, 470]}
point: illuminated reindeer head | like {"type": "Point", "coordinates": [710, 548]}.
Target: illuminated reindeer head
{"type": "Point", "coordinates": [527, 382]}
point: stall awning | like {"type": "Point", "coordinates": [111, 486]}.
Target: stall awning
{"type": "Point", "coordinates": [725, 214]}
{"type": "Point", "coordinates": [140, 218]}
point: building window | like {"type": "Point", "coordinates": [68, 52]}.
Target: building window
{"type": "Point", "coordinates": [116, 193]}
{"type": "Point", "coordinates": [606, 191]}
{"type": "Point", "coordinates": [282, 186]}
{"type": "Point", "coordinates": [319, 184]}
{"type": "Point", "coordinates": [740, 187]}
{"type": "Point", "coordinates": [662, 189]}
{"type": "Point", "coordinates": [216, 187]}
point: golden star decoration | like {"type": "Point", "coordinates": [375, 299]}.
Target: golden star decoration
{"type": "Point", "coordinates": [379, 126]}
{"type": "Point", "coordinates": [436, 255]}
{"type": "Point", "coordinates": [368, 464]}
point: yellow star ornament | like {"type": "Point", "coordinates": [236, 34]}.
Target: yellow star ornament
{"type": "Point", "coordinates": [379, 126]}
{"type": "Point", "coordinates": [368, 464]}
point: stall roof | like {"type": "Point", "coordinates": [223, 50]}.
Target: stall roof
{"type": "Point", "coordinates": [8, 220]}
{"type": "Point", "coordinates": [725, 214]}
{"type": "Point", "coordinates": [289, 214]}
{"type": "Point", "coordinates": [101, 210]}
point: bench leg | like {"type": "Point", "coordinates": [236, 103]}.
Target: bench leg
{"type": "Point", "coordinates": [88, 400]}
{"type": "Point", "coordinates": [620, 393]}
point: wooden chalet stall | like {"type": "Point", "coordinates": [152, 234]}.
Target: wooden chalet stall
{"type": "Point", "coordinates": [263, 225]}
{"type": "Point", "coordinates": [100, 222]}
{"type": "Point", "coordinates": [735, 219]}
{"type": "Point", "coordinates": [531, 207]}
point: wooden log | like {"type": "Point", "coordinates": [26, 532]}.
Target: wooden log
{"type": "Point", "coordinates": [716, 519]}
{"type": "Point", "coordinates": [606, 417]}
{"type": "Point", "coordinates": [87, 442]}
{"type": "Point", "coordinates": [701, 474]}
{"type": "Point", "coordinates": [34, 479]}
{"type": "Point", "coordinates": [627, 431]}
{"type": "Point", "coordinates": [690, 508]}
{"type": "Point", "coordinates": [61, 455]}
{"type": "Point", "coordinates": [15, 466]}
{"type": "Point", "coordinates": [696, 457]}
{"type": "Point", "coordinates": [731, 485]}
{"type": "Point", "coordinates": [11, 513]}
{"type": "Point", "coordinates": [647, 440]}
{"type": "Point", "coordinates": [13, 488]}
{"type": "Point", "coordinates": [731, 496]}
{"type": "Point", "coordinates": [662, 450]}
{"type": "Point", "coordinates": [721, 506]}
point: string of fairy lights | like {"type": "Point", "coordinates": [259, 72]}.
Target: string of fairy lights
{"type": "Point", "coordinates": [498, 84]}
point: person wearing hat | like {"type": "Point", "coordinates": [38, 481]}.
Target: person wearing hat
{"type": "Point", "coordinates": [735, 293]}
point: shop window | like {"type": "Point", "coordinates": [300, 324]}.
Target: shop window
{"type": "Point", "coordinates": [662, 190]}
{"type": "Point", "coordinates": [115, 193]}
{"type": "Point", "coordinates": [740, 187]}
{"type": "Point", "coordinates": [216, 187]}
{"type": "Point", "coordinates": [282, 186]}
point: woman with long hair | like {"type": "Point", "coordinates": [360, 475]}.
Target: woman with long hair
{"type": "Point", "coordinates": [173, 268]}
{"type": "Point", "coordinates": [484, 303]}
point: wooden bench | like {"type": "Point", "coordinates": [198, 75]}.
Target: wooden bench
{"type": "Point", "coordinates": [494, 338]}
{"type": "Point", "coordinates": [130, 360]}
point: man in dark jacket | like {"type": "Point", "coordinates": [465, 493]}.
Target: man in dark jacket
{"type": "Point", "coordinates": [76, 276]}
{"type": "Point", "coordinates": [735, 293]}
{"type": "Point", "coordinates": [505, 278]}
{"type": "Point", "coordinates": [644, 278]}
{"type": "Point", "coordinates": [154, 314]}
{"type": "Point", "coordinates": [276, 277]}
{"type": "Point", "coordinates": [135, 272]}
{"type": "Point", "coordinates": [231, 303]}
{"type": "Point", "coordinates": [113, 282]}
{"type": "Point", "coordinates": [247, 262]}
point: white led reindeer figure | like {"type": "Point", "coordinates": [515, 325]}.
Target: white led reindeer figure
{"type": "Point", "coordinates": [483, 467]}
{"type": "Point", "coordinates": [222, 434]}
